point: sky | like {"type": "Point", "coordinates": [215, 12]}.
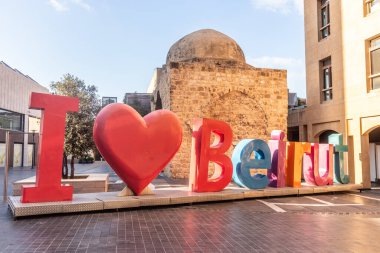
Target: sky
{"type": "Point", "coordinates": [116, 44]}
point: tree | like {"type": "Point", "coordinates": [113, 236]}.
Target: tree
{"type": "Point", "coordinates": [78, 136]}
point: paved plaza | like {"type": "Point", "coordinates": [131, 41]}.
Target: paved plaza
{"type": "Point", "coordinates": [344, 222]}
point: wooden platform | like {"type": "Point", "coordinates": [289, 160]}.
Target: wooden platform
{"type": "Point", "coordinates": [164, 196]}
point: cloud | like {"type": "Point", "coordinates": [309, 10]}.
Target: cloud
{"type": "Point", "coordinates": [281, 6]}
{"type": "Point", "coordinates": [82, 4]}
{"type": "Point", "coordinates": [58, 5]}
{"type": "Point", "coordinates": [298, 4]}
{"type": "Point", "coordinates": [275, 62]}
{"type": "Point", "coordinates": [63, 5]}
{"type": "Point", "coordinates": [295, 70]}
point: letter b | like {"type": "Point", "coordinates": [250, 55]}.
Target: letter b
{"type": "Point", "coordinates": [202, 153]}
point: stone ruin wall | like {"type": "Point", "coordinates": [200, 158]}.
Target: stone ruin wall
{"type": "Point", "coordinates": [252, 100]}
{"type": "Point", "coordinates": [162, 91]}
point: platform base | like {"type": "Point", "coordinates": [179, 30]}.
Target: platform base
{"type": "Point", "coordinates": [162, 197]}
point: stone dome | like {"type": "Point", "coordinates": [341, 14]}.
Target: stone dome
{"type": "Point", "coordinates": [205, 44]}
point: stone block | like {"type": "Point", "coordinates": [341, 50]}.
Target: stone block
{"type": "Point", "coordinates": [269, 191]}
{"type": "Point", "coordinates": [182, 199]}
{"type": "Point", "coordinates": [207, 197]}
{"type": "Point", "coordinates": [322, 189]}
{"type": "Point", "coordinates": [249, 194]}
{"type": "Point", "coordinates": [232, 194]}
{"type": "Point", "coordinates": [29, 209]}
{"type": "Point", "coordinates": [153, 200]}
{"type": "Point", "coordinates": [304, 190]}
{"type": "Point", "coordinates": [82, 203]}
{"type": "Point", "coordinates": [112, 201]}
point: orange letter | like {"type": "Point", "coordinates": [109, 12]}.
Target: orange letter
{"type": "Point", "coordinates": [295, 151]}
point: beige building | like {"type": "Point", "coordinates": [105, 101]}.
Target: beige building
{"type": "Point", "coordinates": [16, 117]}
{"type": "Point", "coordinates": [342, 43]}
{"type": "Point", "coordinates": [206, 75]}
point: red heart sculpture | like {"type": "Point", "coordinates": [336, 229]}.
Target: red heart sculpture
{"type": "Point", "coordinates": [137, 148]}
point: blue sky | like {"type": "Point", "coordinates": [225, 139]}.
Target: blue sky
{"type": "Point", "coordinates": [116, 44]}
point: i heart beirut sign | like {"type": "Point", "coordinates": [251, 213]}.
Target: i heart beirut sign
{"type": "Point", "coordinates": [138, 148]}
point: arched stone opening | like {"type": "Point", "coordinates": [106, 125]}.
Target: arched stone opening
{"type": "Point", "coordinates": [367, 156]}
{"type": "Point", "coordinates": [324, 136]}
{"type": "Point", "coordinates": [238, 104]}
{"type": "Point", "coordinates": [374, 154]}
{"type": "Point", "coordinates": [158, 104]}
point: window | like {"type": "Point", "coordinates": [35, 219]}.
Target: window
{"type": "Point", "coordinates": [372, 5]}
{"type": "Point", "coordinates": [374, 53]}
{"type": "Point", "coordinates": [325, 19]}
{"type": "Point", "coordinates": [34, 124]}
{"type": "Point", "coordinates": [11, 120]}
{"type": "Point", "coordinates": [108, 100]}
{"type": "Point", "coordinates": [326, 75]}
{"type": "Point", "coordinates": [293, 133]}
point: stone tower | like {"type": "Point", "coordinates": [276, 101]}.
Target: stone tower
{"type": "Point", "coordinates": [206, 75]}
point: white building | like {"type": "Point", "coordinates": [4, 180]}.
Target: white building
{"type": "Point", "coordinates": [16, 117]}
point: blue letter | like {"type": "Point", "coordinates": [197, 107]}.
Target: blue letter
{"type": "Point", "coordinates": [241, 159]}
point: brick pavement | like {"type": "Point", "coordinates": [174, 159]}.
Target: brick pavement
{"type": "Point", "coordinates": [240, 226]}
{"type": "Point", "coordinates": [243, 226]}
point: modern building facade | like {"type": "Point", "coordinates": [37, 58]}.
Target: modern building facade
{"type": "Point", "coordinates": [342, 43]}
{"type": "Point", "coordinates": [108, 100]}
{"type": "Point", "coordinates": [16, 117]}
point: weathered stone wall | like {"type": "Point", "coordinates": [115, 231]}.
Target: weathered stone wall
{"type": "Point", "coordinates": [161, 94]}
{"type": "Point", "coordinates": [253, 101]}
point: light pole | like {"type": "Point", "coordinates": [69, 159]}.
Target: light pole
{"type": "Point", "coordinates": [34, 149]}
{"type": "Point", "coordinates": [6, 169]}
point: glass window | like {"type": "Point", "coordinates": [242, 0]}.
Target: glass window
{"type": "Point", "coordinates": [325, 19]}
{"type": "Point", "coordinates": [326, 79]}
{"type": "Point", "coordinates": [374, 52]}
{"type": "Point", "coordinates": [376, 82]}
{"type": "Point", "coordinates": [375, 61]}
{"type": "Point", "coordinates": [327, 95]}
{"type": "Point", "coordinates": [11, 120]}
{"type": "Point", "coordinates": [372, 5]}
{"type": "Point", "coordinates": [108, 100]}
{"type": "Point", "coordinates": [34, 124]}
{"type": "Point", "coordinates": [375, 43]}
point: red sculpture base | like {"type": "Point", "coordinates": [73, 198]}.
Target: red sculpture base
{"type": "Point", "coordinates": [32, 194]}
